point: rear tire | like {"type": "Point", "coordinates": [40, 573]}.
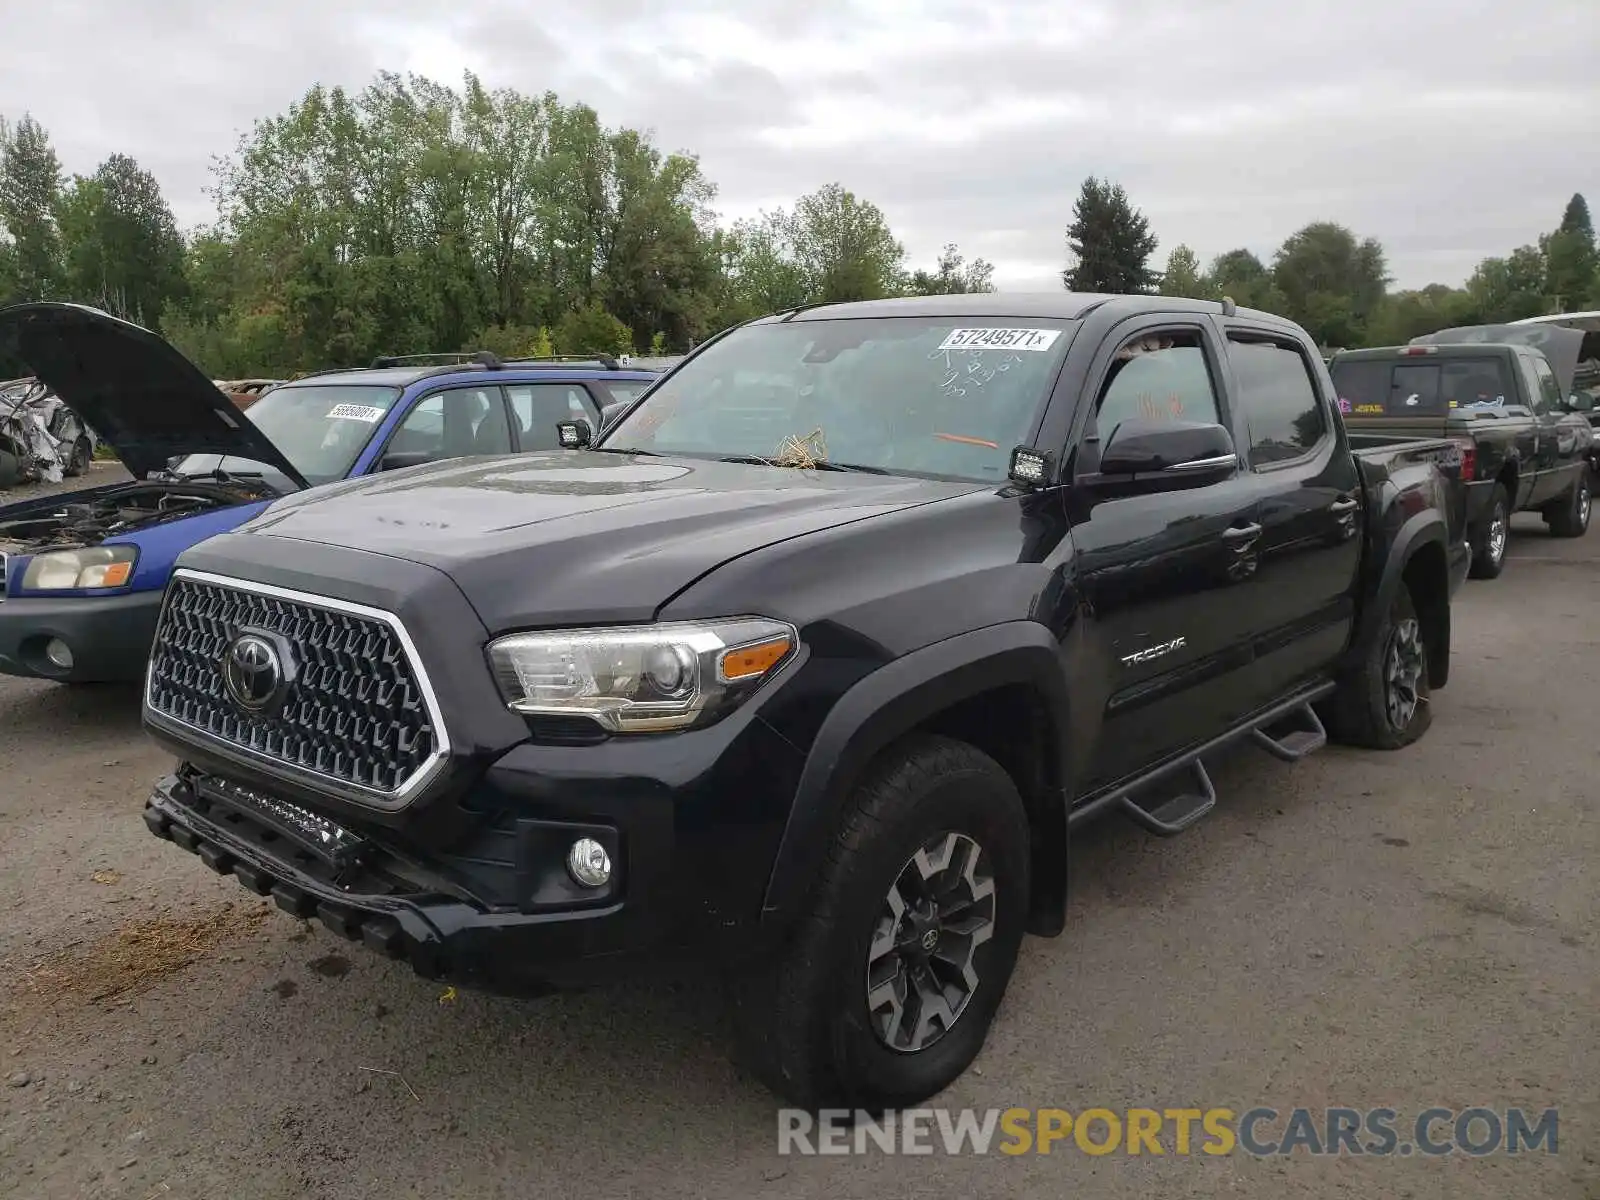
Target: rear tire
{"type": "Point", "coordinates": [79, 462]}
{"type": "Point", "coordinates": [840, 1021]}
{"type": "Point", "coordinates": [1386, 704]}
{"type": "Point", "coordinates": [1569, 517]}
{"type": "Point", "coordinates": [1489, 551]}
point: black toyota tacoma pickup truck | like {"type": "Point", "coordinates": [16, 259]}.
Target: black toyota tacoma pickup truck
{"type": "Point", "coordinates": [804, 669]}
{"type": "Point", "coordinates": [1505, 393]}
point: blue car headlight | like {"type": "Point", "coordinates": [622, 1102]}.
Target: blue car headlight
{"type": "Point", "coordinates": [94, 567]}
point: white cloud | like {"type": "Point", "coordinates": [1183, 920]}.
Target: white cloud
{"type": "Point", "coordinates": [1449, 129]}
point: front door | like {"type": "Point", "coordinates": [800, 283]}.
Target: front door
{"type": "Point", "coordinates": [1561, 456]}
{"type": "Point", "coordinates": [1309, 505]}
{"type": "Point", "coordinates": [1159, 573]}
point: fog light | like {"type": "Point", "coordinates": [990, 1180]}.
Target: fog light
{"type": "Point", "coordinates": [588, 863]}
{"type": "Point", "coordinates": [59, 653]}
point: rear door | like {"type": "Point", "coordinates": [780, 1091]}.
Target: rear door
{"type": "Point", "coordinates": [1307, 498]}
{"type": "Point", "coordinates": [1160, 573]}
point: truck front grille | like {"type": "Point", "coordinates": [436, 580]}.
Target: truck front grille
{"type": "Point", "coordinates": [352, 712]}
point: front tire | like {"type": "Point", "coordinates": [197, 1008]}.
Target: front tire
{"type": "Point", "coordinates": [1386, 704]}
{"type": "Point", "coordinates": [1569, 517]}
{"type": "Point", "coordinates": [887, 991]}
{"type": "Point", "coordinates": [1489, 555]}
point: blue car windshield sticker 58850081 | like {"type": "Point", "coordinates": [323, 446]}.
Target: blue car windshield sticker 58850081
{"type": "Point", "coordinates": [355, 412]}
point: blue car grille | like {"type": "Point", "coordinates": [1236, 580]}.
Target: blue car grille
{"type": "Point", "coordinates": [357, 714]}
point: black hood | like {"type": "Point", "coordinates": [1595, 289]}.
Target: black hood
{"type": "Point", "coordinates": [1558, 344]}
{"type": "Point", "coordinates": [580, 536]}
{"type": "Point", "coordinates": [143, 398]}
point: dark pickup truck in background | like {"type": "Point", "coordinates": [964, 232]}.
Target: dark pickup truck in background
{"type": "Point", "coordinates": [1505, 392]}
{"type": "Point", "coordinates": [803, 671]}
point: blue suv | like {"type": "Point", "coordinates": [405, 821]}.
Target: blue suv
{"type": "Point", "coordinates": [82, 573]}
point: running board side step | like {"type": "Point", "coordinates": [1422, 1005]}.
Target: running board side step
{"type": "Point", "coordinates": [1292, 736]}
{"type": "Point", "coordinates": [1166, 814]}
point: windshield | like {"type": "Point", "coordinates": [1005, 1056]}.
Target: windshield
{"type": "Point", "coordinates": [320, 428]}
{"type": "Point", "coordinates": [942, 396]}
{"type": "Point", "coordinates": [1418, 387]}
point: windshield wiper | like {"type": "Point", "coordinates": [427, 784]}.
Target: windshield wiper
{"type": "Point", "coordinates": [818, 464]}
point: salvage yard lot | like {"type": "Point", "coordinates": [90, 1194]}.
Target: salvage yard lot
{"type": "Point", "coordinates": [1402, 930]}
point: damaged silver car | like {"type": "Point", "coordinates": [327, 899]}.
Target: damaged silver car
{"type": "Point", "coordinates": [41, 437]}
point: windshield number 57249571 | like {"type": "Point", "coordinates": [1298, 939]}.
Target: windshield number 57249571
{"type": "Point", "coordinates": [1000, 339]}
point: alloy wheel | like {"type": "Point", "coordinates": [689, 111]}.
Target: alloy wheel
{"type": "Point", "coordinates": [1497, 535]}
{"type": "Point", "coordinates": [922, 964]}
{"type": "Point", "coordinates": [1403, 667]}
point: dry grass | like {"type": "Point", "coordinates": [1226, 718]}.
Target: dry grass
{"type": "Point", "coordinates": [139, 955]}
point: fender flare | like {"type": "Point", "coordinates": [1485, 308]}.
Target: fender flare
{"type": "Point", "coordinates": [886, 705]}
{"type": "Point", "coordinates": [1419, 530]}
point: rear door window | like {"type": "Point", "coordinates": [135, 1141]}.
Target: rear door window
{"type": "Point", "coordinates": [1278, 397]}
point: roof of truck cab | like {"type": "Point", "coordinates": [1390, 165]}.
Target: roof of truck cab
{"type": "Point", "coordinates": [471, 373]}
{"type": "Point", "coordinates": [1055, 306]}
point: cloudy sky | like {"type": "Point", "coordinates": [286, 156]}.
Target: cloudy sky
{"type": "Point", "coordinates": [1449, 130]}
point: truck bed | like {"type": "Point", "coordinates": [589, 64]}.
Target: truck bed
{"type": "Point", "coordinates": [1401, 457]}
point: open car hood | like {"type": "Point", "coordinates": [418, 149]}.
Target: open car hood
{"type": "Point", "coordinates": [1558, 344]}
{"type": "Point", "coordinates": [144, 399]}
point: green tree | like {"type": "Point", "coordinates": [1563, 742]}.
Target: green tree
{"type": "Point", "coordinates": [1331, 283]}
{"type": "Point", "coordinates": [592, 330]}
{"type": "Point", "coordinates": [122, 251]}
{"type": "Point", "coordinates": [1109, 241]}
{"type": "Point", "coordinates": [1244, 279]}
{"type": "Point", "coordinates": [844, 248]}
{"type": "Point", "coordinates": [953, 275]}
{"type": "Point", "coordinates": [1510, 288]}
{"type": "Point", "coordinates": [1183, 276]}
{"type": "Point", "coordinates": [30, 191]}
{"type": "Point", "coordinates": [1571, 260]}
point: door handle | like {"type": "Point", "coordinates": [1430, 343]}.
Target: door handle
{"type": "Point", "coordinates": [1342, 506]}
{"type": "Point", "coordinates": [1241, 533]}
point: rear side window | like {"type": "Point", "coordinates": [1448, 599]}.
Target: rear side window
{"type": "Point", "coordinates": [624, 389]}
{"type": "Point", "coordinates": [1278, 399]}
{"type": "Point", "coordinates": [541, 407]}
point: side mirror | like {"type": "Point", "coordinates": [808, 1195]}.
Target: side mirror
{"type": "Point", "coordinates": [610, 413]}
{"type": "Point", "coordinates": [574, 435]}
{"type": "Point", "coordinates": [1580, 402]}
{"type": "Point", "coordinates": [1157, 455]}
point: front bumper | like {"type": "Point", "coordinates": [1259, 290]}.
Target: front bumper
{"type": "Point", "coordinates": [391, 907]}
{"type": "Point", "coordinates": [691, 834]}
{"type": "Point", "coordinates": [109, 636]}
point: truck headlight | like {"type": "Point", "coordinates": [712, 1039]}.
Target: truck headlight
{"type": "Point", "coordinates": [640, 679]}
{"type": "Point", "coordinates": [97, 567]}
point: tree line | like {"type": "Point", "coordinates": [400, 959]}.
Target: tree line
{"type": "Point", "coordinates": [410, 216]}
{"type": "Point", "coordinates": [1330, 281]}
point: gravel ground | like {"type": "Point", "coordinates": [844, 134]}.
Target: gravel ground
{"type": "Point", "coordinates": [1363, 929]}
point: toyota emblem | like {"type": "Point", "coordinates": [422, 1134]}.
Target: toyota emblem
{"type": "Point", "coordinates": [255, 672]}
